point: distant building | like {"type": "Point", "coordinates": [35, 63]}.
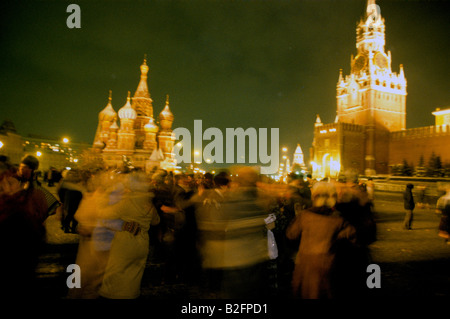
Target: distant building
{"type": "Point", "coordinates": [137, 138]}
{"type": "Point", "coordinates": [11, 144]}
{"type": "Point", "coordinates": [369, 134]}
{"type": "Point", "coordinates": [50, 152]}
{"type": "Point", "coordinates": [54, 153]}
{"type": "Point", "coordinates": [299, 160]}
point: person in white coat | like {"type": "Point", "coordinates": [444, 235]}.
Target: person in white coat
{"type": "Point", "coordinates": [129, 249]}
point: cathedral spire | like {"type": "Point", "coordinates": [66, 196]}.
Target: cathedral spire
{"type": "Point", "coordinates": [142, 89]}
{"type": "Point", "coordinates": [341, 78]}
{"type": "Point", "coordinates": [142, 102]}
{"type": "Point", "coordinates": [318, 121]}
{"type": "Point", "coordinates": [402, 73]}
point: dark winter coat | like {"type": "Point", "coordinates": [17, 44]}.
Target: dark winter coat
{"type": "Point", "coordinates": [320, 230]}
{"type": "Point", "coordinates": [408, 199]}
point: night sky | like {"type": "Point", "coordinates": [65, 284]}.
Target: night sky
{"type": "Point", "coordinates": [258, 63]}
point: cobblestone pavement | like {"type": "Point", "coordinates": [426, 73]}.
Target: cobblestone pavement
{"type": "Point", "coordinates": [414, 263]}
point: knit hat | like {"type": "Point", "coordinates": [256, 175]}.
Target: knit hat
{"type": "Point", "coordinates": [31, 161]}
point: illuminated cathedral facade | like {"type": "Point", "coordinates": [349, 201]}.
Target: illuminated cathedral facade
{"type": "Point", "coordinates": [369, 132]}
{"type": "Point", "coordinates": [133, 135]}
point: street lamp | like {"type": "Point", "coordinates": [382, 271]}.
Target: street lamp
{"type": "Point", "coordinates": [65, 140]}
{"type": "Point", "coordinates": [38, 153]}
{"type": "Point", "coordinates": [1, 144]}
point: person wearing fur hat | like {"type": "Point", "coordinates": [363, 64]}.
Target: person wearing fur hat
{"type": "Point", "coordinates": [319, 229]}
{"type": "Point", "coordinates": [28, 165]}
{"type": "Point", "coordinates": [35, 197]}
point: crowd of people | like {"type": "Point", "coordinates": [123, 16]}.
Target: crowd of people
{"type": "Point", "coordinates": [215, 230]}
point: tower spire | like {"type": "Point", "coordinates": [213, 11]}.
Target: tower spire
{"type": "Point", "coordinates": [318, 121]}
{"type": "Point", "coordinates": [372, 12]}
{"type": "Point", "coordinates": [341, 78]}
{"type": "Point", "coordinates": [142, 102]}
{"type": "Point", "coordinates": [142, 89]}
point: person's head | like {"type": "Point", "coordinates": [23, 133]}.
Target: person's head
{"type": "Point", "coordinates": [324, 194]}
{"type": "Point", "coordinates": [8, 179]}
{"type": "Point", "coordinates": [409, 186]}
{"type": "Point", "coordinates": [222, 179]}
{"type": "Point", "coordinates": [27, 166]}
{"type": "Point", "coordinates": [159, 176]}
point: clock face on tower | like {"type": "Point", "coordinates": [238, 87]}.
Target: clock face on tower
{"type": "Point", "coordinates": [381, 60]}
{"type": "Point", "coordinates": [359, 63]}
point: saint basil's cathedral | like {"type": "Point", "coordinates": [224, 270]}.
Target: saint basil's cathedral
{"type": "Point", "coordinates": [137, 139]}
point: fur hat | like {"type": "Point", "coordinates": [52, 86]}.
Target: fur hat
{"type": "Point", "coordinates": [31, 161]}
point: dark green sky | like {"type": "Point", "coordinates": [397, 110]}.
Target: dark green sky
{"type": "Point", "coordinates": [229, 63]}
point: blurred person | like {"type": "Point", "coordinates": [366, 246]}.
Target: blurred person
{"type": "Point", "coordinates": [92, 261]}
{"type": "Point", "coordinates": [238, 242]}
{"type": "Point", "coordinates": [319, 228]}
{"type": "Point", "coordinates": [422, 201]}
{"type": "Point", "coordinates": [409, 205]}
{"type": "Point", "coordinates": [53, 177]}
{"type": "Point", "coordinates": [162, 236]}
{"type": "Point", "coordinates": [443, 206]}
{"type": "Point", "coordinates": [70, 191]}
{"type": "Point", "coordinates": [297, 193]}
{"type": "Point", "coordinates": [356, 208]}
{"type": "Point", "coordinates": [370, 188]}
{"type": "Point", "coordinates": [95, 235]}
{"type": "Point", "coordinates": [184, 261]}
{"type": "Point", "coordinates": [208, 181]}
{"type": "Point", "coordinates": [186, 240]}
{"type": "Point", "coordinates": [130, 248]}
{"type": "Point", "coordinates": [22, 233]}
{"type": "Point", "coordinates": [209, 218]}
{"type": "Point", "coordinates": [35, 196]}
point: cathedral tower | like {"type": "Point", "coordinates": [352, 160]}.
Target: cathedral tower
{"type": "Point", "coordinates": [166, 137]}
{"type": "Point", "coordinates": [126, 135]}
{"type": "Point", "coordinates": [143, 105]}
{"type": "Point", "coordinates": [105, 119]}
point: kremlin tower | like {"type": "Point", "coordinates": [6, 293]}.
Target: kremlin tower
{"type": "Point", "coordinates": [371, 104]}
{"type": "Point", "coordinates": [138, 139]}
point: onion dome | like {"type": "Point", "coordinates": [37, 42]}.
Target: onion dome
{"type": "Point", "coordinates": [108, 113]}
{"type": "Point", "coordinates": [151, 126]}
{"type": "Point", "coordinates": [166, 116]}
{"type": "Point", "coordinates": [127, 112]}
